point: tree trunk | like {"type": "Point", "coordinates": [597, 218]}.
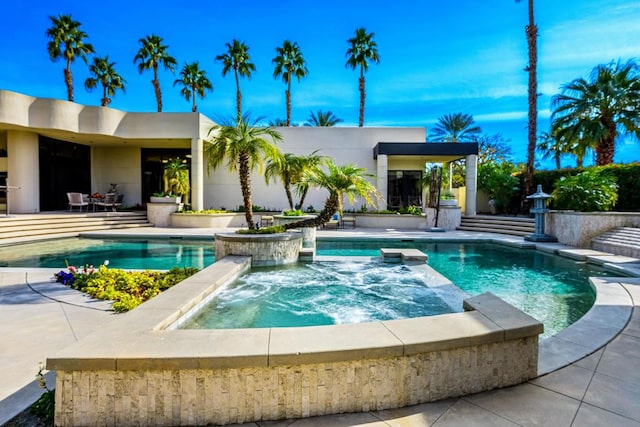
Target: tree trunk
{"type": "Point", "coordinates": [362, 96]}
{"type": "Point", "coordinates": [68, 79]}
{"type": "Point", "coordinates": [288, 96]}
{"type": "Point", "coordinates": [156, 87]}
{"type": "Point", "coordinates": [245, 187]}
{"type": "Point", "coordinates": [194, 107]}
{"type": "Point", "coordinates": [330, 207]}
{"type": "Point", "coordinates": [105, 100]}
{"type": "Point", "coordinates": [287, 190]}
{"type": "Point", "coordinates": [302, 197]}
{"type": "Point", "coordinates": [238, 96]}
{"type": "Point", "coordinates": [532, 35]}
{"type": "Point", "coordinates": [606, 145]}
{"type": "Point", "coordinates": [557, 159]}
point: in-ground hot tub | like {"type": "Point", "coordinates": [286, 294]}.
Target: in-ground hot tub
{"type": "Point", "coordinates": [136, 371]}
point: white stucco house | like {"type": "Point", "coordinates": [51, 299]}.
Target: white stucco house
{"type": "Point", "coordinates": [49, 147]}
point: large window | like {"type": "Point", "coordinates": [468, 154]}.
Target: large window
{"type": "Point", "coordinates": [404, 188]}
{"type": "Point", "coordinates": [153, 162]}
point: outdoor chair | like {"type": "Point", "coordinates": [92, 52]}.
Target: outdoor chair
{"type": "Point", "coordinates": [111, 200]}
{"type": "Point", "coordinates": [334, 222]}
{"type": "Point", "coordinates": [75, 199]}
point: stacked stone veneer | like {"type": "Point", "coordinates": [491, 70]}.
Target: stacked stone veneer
{"type": "Point", "coordinates": [135, 372]}
{"type": "Point", "coordinates": [264, 249]}
{"type": "Point", "coordinates": [225, 396]}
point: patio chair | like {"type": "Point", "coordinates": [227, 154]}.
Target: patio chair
{"type": "Point", "coordinates": [111, 200]}
{"type": "Point", "coordinates": [334, 222]}
{"type": "Point", "coordinates": [75, 199]}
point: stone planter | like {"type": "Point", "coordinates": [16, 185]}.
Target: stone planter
{"type": "Point", "coordinates": [397, 221]}
{"type": "Point", "coordinates": [159, 214]}
{"type": "Point", "coordinates": [448, 203]}
{"type": "Point", "coordinates": [173, 199]}
{"type": "Point", "coordinates": [264, 249]}
{"type": "Point", "coordinates": [284, 219]}
{"type": "Point", "coordinates": [218, 220]}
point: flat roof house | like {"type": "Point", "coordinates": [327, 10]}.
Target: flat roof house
{"type": "Point", "coordinates": [53, 147]}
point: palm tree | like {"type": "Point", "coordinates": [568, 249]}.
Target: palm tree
{"type": "Point", "coordinates": [194, 82]}
{"type": "Point", "coordinates": [551, 146]}
{"type": "Point", "coordinates": [308, 165]}
{"type": "Point", "coordinates": [104, 74]}
{"type": "Point", "coordinates": [244, 146]}
{"type": "Point", "coordinates": [531, 31]}
{"type": "Point", "coordinates": [237, 59]}
{"type": "Point", "coordinates": [348, 180]}
{"type": "Point", "coordinates": [363, 50]}
{"type": "Point", "coordinates": [456, 127]}
{"type": "Point", "coordinates": [290, 169]}
{"type": "Point", "coordinates": [321, 118]}
{"type": "Point", "coordinates": [277, 123]}
{"type": "Point", "coordinates": [68, 42]}
{"type": "Point", "coordinates": [176, 178]}
{"type": "Point", "coordinates": [151, 54]}
{"type": "Point", "coordinates": [289, 63]}
{"type": "Point", "coordinates": [598, 109]}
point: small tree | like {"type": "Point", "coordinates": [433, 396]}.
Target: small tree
{"type": "Point", "coordinates": [176, 179]}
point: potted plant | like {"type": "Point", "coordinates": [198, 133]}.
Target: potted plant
{"type": "Point", "coordinates": [447, 198]}
{"type": "Point", "coordinates": [176, 183]}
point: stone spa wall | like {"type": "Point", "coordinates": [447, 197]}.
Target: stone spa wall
{"type": "Point", "coordinates": [141, 371]}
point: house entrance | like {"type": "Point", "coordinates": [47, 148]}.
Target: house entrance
{"type": "Point", "coordinates": [153, 162]}
{"type": "Point", "coordinates": [404, 189]}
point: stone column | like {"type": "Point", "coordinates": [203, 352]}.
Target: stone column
{"type": "Point", "coordinates": [23, 170]}
{"type": "Point", "coordinates": [197, 174]}
{"type": "Point", "coordinates": [382, 170]}
{"type": "Point", "coordinates": [471, 182]}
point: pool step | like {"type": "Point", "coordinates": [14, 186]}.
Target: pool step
{"type": "Point", "coordinates": [514, 226]}
{"type": "Point", "coordinates": [620, 241]}
{"type": "Point", "coordinates": [20, 228]}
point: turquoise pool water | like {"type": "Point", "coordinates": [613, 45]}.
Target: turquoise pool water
{"type": "Point", "coordinates": [326, 293]}
{"type": "Point", "coordinates": [152, 254]}
{"type": "Point", "coordinates": [553, 289]}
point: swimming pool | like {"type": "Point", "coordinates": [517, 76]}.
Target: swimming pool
{"type": "Point", "coordinates": [552, 289]}
{"type": "Point", "coordinates": [152, 254]}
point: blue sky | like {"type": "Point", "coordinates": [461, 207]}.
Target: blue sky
{"type": "Point", "coordinates": [437, 57]}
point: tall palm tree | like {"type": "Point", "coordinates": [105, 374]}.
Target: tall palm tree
{"type": "Point", "coordinates": [321, 118]}
{"type": "Point", "coordinates": [456, 127]}
{"type": "Point", "coordinates": [598, 109]}
{"type": "Point", "coordinates": [290, 169]}
{"type": "Point", "coordinates": [104, 74]}
{"type": "Point", "coordinates": [289, 63]}
{"type": "Point", "coordinates": [237, 59]}
{"type": "Point", "coordinates": [194, 82]}
{"type": "Point", "coordinates": [531, 31]}
{"type": "Point", "coordinates": [68, 42]}
{"type": "Point", "coordinates": [152, 53]}
{"type": "Point", "coordinates": [363, 50]}
{"type": "Point", "coordinates": [243, 145]}
{"type": "Point", "coordinates": [348, 180]}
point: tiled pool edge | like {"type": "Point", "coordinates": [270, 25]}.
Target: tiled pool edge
{"type": "Point", "coordinates": [121, 373]}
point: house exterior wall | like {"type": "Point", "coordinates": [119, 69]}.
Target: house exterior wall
{"type": "Point", "coordinates": [118, 165]}
{"type": "Point", "coordinates": [343, 144]}
{"type": "Point", "coordinates": [22, 165]}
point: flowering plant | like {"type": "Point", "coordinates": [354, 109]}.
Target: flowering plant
{"type": "Point", "coordinates": [76, 277]}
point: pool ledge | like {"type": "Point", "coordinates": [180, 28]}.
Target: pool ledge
{"type": "Point", "coordinates": [243, 375]}
{"type": "Point", "coordinates": [607, 317]}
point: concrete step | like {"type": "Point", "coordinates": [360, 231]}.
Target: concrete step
{"type": "Point", "coordinates": [619, 241]}
{"type": "Point", "coordinates": [514, 226]}
{"type": "Point", "coordinates": [21, 228]}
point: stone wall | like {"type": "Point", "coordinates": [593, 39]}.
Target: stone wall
{"type": "Point", "coordinates": [227, 396]}
{"type": "Point", "coordinates": [579, 228]}
{"type": "Point", "coordinates": [264, 249]}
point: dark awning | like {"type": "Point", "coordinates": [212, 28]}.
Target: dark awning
{"type": "Point", "coordinates": [434, 151]}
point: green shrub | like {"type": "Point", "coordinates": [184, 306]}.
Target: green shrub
{"type": "Point", "coordinates": [411, 210]}
{"type": "Point", "coordinates": [44, 407]}
{"type": "Point", "coordinates": [295, 212]}
{"type": "Point", "coordinates": [127, 289]}
{"type": "Point", "coordinates": [265, 230]}
{"type": "Point", "coordinates": [590, 191]}
{"type": "Point", "coordinates": [501, 183]}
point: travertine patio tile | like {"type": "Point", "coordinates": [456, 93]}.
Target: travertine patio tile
{"type": "Point", "coordinates": [614, 395]}
{"type": "Point", "coordinates": [620, 365]}
{"type": "Point", "coordinates": [425, 414]}
{"type": "Point", "coordinates": [592, 416]}
{"type": "Point", "coordinates": [571, 381]}
{"type": "Point", "coordinates": [528, 404]}
{"type": "Point", "coordinates": [580, 254]}
{"type": "Point", "coordinates": [590, 362]}
{"type": "Point", "coordinates": [463, 413]}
